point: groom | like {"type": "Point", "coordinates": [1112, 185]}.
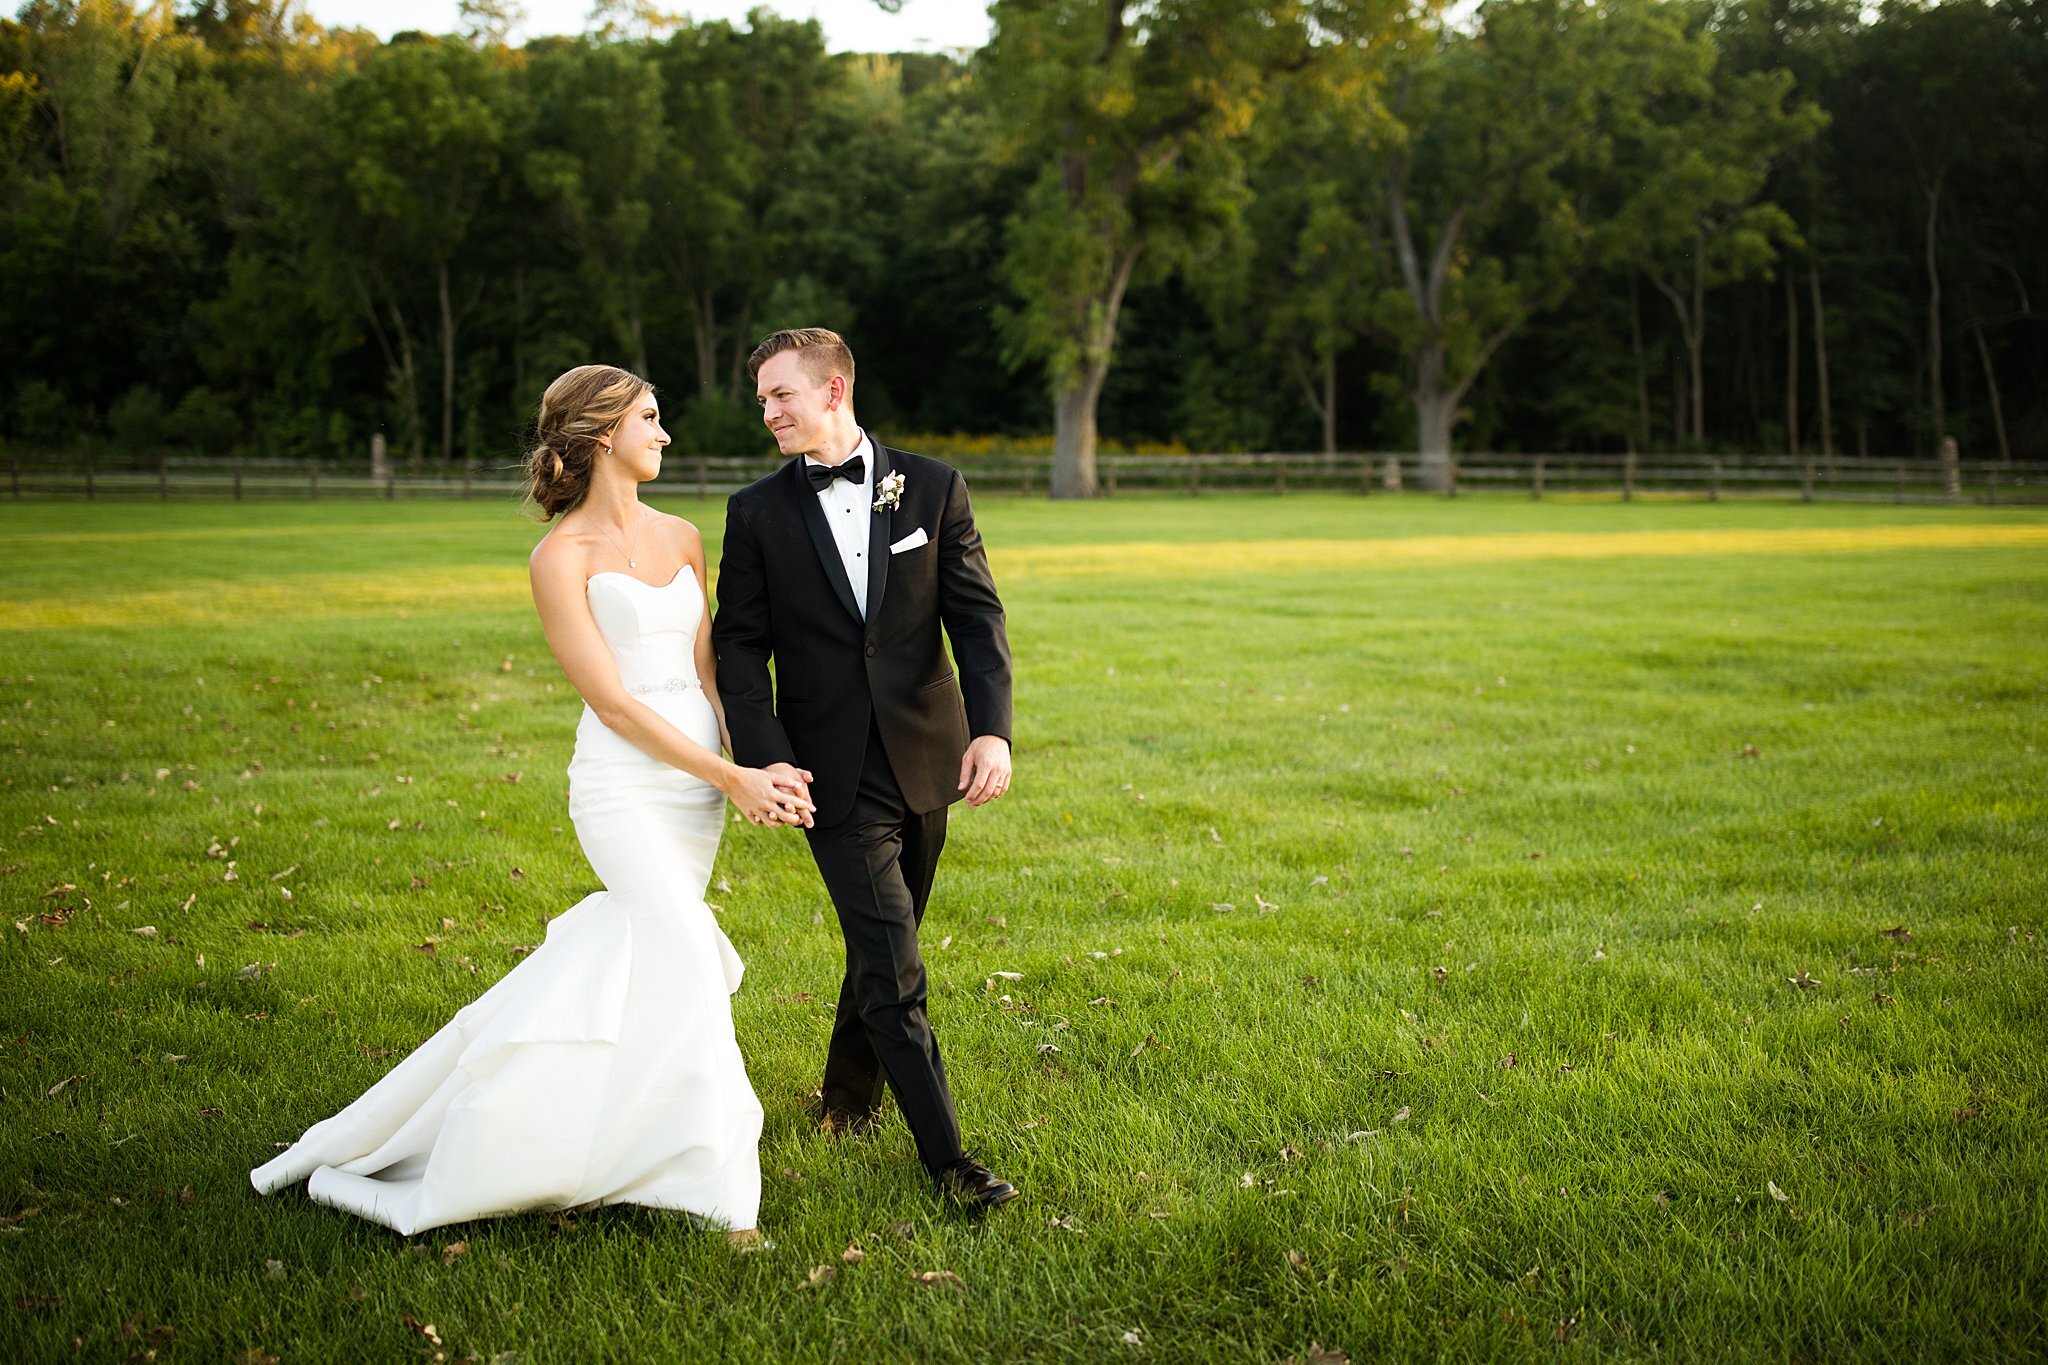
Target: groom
{"type": "Point", "coordinates": [841, 567]}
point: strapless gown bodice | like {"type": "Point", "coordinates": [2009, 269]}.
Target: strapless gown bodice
{"type": "Point", "coordinates": [603, 1068]}
{"type": "Point", "coordinates": [651, 631]}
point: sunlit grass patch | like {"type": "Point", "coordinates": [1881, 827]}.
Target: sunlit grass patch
{"type": "Point", "coordinates": [1435, 932]}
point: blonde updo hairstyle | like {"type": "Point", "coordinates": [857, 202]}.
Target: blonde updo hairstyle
{"type": "Point", "coordinates": [577, 415]}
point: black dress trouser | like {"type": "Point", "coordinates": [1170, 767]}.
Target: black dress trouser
{"type": "Point", "coordinates": [878, 865]}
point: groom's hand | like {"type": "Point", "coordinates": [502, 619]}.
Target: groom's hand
{"type": "Point", "coordinates": [797, 783]}
{"type": "Point", "coordinates": [985, 769]}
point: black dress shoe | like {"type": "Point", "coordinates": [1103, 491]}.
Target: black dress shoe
{"type": "Point", "coordinates": [837, 1121]}
{"type": "Point", "coordinates": [847, 1122]}
{"type": "Point", "coordinates": [974, 1184]}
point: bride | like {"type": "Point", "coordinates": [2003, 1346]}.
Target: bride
{"type": "Point", "coordinates": [603, 1068]}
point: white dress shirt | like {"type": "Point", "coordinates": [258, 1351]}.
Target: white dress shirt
{"type": "Point", "coordinates": [847, 507]}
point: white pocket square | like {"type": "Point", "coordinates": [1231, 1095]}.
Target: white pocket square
{"type": "Point", "coordinates": [910, 542]}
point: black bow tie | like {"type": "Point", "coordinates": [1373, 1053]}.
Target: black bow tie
{"type": "Point", "coordinates": [854, 471]}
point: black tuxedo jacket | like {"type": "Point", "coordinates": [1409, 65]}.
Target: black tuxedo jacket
{"type": "Point", "coordinates": [783, 595]}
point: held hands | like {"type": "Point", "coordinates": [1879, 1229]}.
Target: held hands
{"type": "Point", "coordinates": [775, 795]}
{"type": "Point", "coordinates": [985, 769]}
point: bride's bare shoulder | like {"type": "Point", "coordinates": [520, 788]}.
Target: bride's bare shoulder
{"type": "Point", "coordinates": [563, 552]}
{"type": "Point", "coordinates": [680, 533]}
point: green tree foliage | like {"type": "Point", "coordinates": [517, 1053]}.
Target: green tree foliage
{"type": "Point", "coordinates": [1289, 223]}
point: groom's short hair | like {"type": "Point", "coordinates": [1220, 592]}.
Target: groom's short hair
{"type": "Point", "coordinates": [824, 353]}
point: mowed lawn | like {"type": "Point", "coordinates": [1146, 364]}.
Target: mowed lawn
{"type": "Point", "coordinates": [1470, 929]}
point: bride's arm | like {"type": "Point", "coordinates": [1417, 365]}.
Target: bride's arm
{"type": "Point", "coordinates": [572, 635]}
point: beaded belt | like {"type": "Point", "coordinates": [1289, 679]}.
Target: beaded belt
{"type": "Point", "coordinates": [669, 685]}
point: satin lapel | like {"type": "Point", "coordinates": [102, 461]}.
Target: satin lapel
{"type": "Point", "coordinates": [821, 536]}
{"type": "Point", "coordinates": [878, 539]}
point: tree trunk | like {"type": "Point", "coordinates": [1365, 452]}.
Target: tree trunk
{"type": "Point", "coordinates": [742, 349]}
{"type": "Point", "coordinates": [1991, 383]}
{"type": "Point", "coordinates": [1635, 331]}
{"type": "Point", "coordinates": [1436, 412]}
{"type": "Point", "coordinates": [1934, 392]}
{"type": "Point", "coordinates": [706, 337]}
{"type": "Point", "coordinates": [1791, 366]}
{"type": "Point", "coordinates": [519, 391]}
{"type": "Point", "coordinates": [1073, 446]}
{"type": "Point", "coordinates": [1330, 400]}
{"type": "Point", "coordinates": [635, 338]}
{"type": "Point", "coordinates": [1322, 397]}
{"type": "Point", "coordinates": [1820, 365]}
{"type": "Point", "coordinates": [447, 366]}
{"type": "Point", "coordinates": [1076, 393]}
{"type": "Point", "coordinates": [405, 377]}
{"type": "Point", "coordinates": [1695, 345]}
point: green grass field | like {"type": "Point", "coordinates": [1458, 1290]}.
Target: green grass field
{"type": "Point", "coordinates": [1445, 929]}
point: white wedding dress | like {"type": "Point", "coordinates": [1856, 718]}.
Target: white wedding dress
{"type": "Point", "coordinates": [602, 1069]}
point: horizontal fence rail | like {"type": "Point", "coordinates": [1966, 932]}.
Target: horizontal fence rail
{"type": "Point", "coordinates": [1710, 478]}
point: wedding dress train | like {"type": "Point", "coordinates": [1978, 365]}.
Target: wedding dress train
{"type": "Point", "coordinates": [603, 1068]}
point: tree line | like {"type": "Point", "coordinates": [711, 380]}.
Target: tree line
{"type": "Point", "coordinates": [1649, 225]}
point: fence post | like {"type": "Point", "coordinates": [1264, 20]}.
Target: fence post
{"type": "Point", "coordinates": [1628, 478]}
{"type": "Point", "coordinates": [1451, 479]}
{"type": "Point", "coordinates": [1280, 476]}
{"type": "Point", "coordinates": [1806, 482]}
{"type": "Point", "coordinates": [1714, 483]}
{"type": "Point", "coordinates": [238, 478]}
{"type": "Point", "coordinates": [1194, 476]}
{"type": "Point", "coordinates": [163, 479]}
{"type": "Point", "coordinates": [14, 475]}
{"type": "Point", "coordinates": [1390, 474]}
{"type": "Point", "coordinates": [1109, 471]}
{"type": "Point", "coordinates": [1365, 475]}
{"type": "Point", "coordinates": [390, 486]}
{"type": "Point", "coordinates": [465, 479]}
{"type": "Point", "coordinates": [1536, 481]}
{"type": "Point", "coordinates": [1899, 483]}
{"type": "Point", "coordinates": [1991, 487]}
{"type": "Point", "coordinates": [703, 476]}
{"type": "Point", "coordinates": [88, 474]}
{"type": "Point", "coordinates": [313, 480]}
{"type": "Point", "coordinates": [1951, 468]}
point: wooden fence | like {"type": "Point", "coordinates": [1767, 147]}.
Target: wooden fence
{"type": "Point", "coordinates": [1709, 478]}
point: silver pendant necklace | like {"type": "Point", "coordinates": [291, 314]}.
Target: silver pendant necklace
{"type": "Point", "coordinates": [631, 562]}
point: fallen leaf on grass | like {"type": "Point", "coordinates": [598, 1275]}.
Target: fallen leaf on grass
{"type": "Point", "coordinates": [1150, 1041]}
{"type": "Point", "coordinates": [940, 1279]}
{"type": "Point", "coordinates": [425, 1329]}
{"type": "Point", "coordinates": [1362, 1134]}
{"type": "Point", "coordinates": [1898, 933]}
{"type": "Point", "coordinates": [1776, 1193]}
{"type": "Point", "coordinates": [1298, 1260]}
{"type": "Point", "coordinates": [1318, 1354]}
{"type": "Point", "coordinates": [1401, 1114]}
{"type": "Point", "coordinates": [1803, 981]}
{"type": "Point", "coordinates": [52, 1091]}
{"type": "Point", "coordinates": [1661, 1200]}
{"type": "Point", "coordinates": [144, 931]}
{"type": "Point", "coordinates": [255, 1356]}
{"type": "Point", "coordinates": [1880, 999]}
{"type": "Point", "coordinates": [1131, 1338]}
{"type": "Point", "coordinates": [853, 1255]}
{"type": "Point", "coordinates": [820, 1275]}
{"type": "Point", "coordinates": [273, 1270]}
{"type": "Point", "coordinates": [1914, 1218]}
{"type": "Point", "coordinates": [453, 1252]}
{"type": "Point", "coordinates": [188, 1196]}
{"type": "Point", "coordinates": [1066, 1224]}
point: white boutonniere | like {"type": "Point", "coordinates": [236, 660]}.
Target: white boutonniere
{"type": "Point", "coordinates": [889, 493]}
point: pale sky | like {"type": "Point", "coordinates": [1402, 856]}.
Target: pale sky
{"type": "Point", "coordinates": [850, 25]}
